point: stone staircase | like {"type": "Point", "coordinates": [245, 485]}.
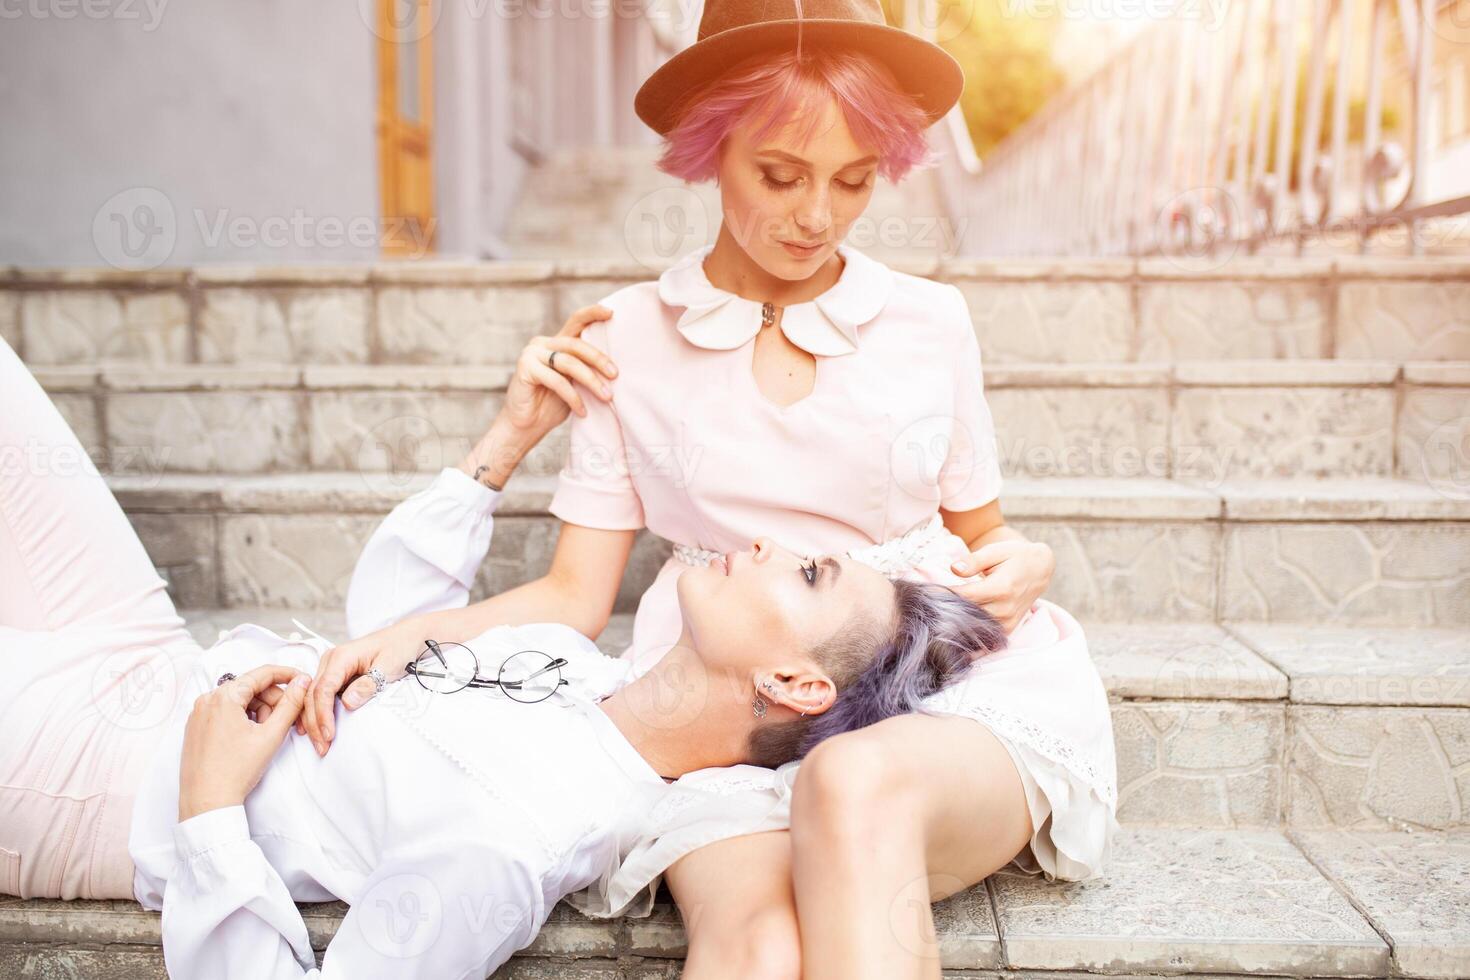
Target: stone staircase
{"type": "Point", "coordinates": [1254, 476]}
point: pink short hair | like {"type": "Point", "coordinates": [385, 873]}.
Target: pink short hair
{"type": "Point", "coordinates": [879, 114]}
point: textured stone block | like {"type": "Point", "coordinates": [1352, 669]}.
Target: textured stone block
{"type": "Point", "coordinates": [1199, 764]}
{"type": "Point", "coordinates": [182, 548]}
{"type": "Point", "coordinates": [1051, 321]}
{"type": "Point", "coordinates": [80, 412]}
{"type": "Point", "coordinates": [573, 294]}
{"type": "Point", "coordinates": [1181, 660]}
{"type": "Point", "coordinates": [1379, 768]}
{"type": "Point", "coordinates": [1082, 432]}
{"type": "Point", "coordinates": [10, 319]}
{"type": "Point", "coordinates": [1433, 438]}
{"type": "Point", "coordinates": [527, 968]}
{"type": "Point", "coordinates": [441, 325]}
{"type": "Point", "coordinates": [1414, 887]}
{"type": "Point", "coordinates": [521, 552]}
{"type": "Point", "coordinates": [1351, 500]}
{"type": "Point", "coordinates": [1369, 573]}
{"type": "Point", "coordinates": [302, 560]}
{"type": "Point", "coordinates": [1367, 665]}
{"type": "Point", "coordinates": [1283, 432]}
{"type": "Point", "coordinates": [1180, 320]}
{"type": "Point", "coordinates": [397, 431]}
{"type": "Point", "coordinates": [24, 961]}
{"type": "Point", "coordinates": [84, 326]}
{"type": "Point", "coordinates": [1404, 320]}
{"type": "Point", "coordinates": [284, 326]}
{"type": "Point", "coordinates": [1189, 901]}
{"type": "Point", "coordinates": [209, 431]}
{"type": "Point", "coordinates": [1131, 570]}
{"type": "Point", "coordinates": [1101, 498]}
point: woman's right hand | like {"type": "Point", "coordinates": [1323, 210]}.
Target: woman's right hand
{"type": "Point", "coordinates": [538, 397]}
{"type": "Point", "coordinates": [389, 649]}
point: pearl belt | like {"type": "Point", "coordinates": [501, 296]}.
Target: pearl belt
{"type": "Point", "coordinates": [893, 557]}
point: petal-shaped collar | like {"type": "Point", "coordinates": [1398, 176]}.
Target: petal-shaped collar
{"type": "Point", "coordinates": [826, 326]}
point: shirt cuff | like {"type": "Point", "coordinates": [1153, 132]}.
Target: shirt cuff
{"type": "Point", "coordinates": [199, 833]}
{"type": "Point", "coordinates": [458, 485]}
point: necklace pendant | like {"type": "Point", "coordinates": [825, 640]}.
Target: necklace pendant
{"type": "Point", "coordinates": [768, 314]}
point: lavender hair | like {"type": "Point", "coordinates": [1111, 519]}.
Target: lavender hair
{"type": "Point", "coordinates": [782, 86]}
{"type": "Point", "coordinates": [883, 670]}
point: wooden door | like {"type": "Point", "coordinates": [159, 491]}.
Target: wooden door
{"type": "Point", "coordinates": [405, 125]}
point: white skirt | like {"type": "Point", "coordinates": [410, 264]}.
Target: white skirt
{"type": "Point", "coordinates": [1041, 697]}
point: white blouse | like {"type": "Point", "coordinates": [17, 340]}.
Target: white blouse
{"type": "Point", "coordinates": [450, 823]}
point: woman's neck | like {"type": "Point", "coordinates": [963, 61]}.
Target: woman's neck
{"type": "Point", "coordinates": [729, 267]}
{"type": "Point", "coordinates": [680, 717]}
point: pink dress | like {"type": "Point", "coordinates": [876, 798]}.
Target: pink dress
{"type": "Point", "coordinates": [895, 427]}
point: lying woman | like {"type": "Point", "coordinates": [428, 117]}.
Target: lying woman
{"type": "Point", "coordinates": [459, 806]}
{"type": "Point", "coordinates": [781, 381]}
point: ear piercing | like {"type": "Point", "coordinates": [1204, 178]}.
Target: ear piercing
{"type": "Point", "coordinates": [759, 704]}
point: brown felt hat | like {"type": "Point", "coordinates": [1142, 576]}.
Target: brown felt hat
{"type": "Point", "coordinates": [731, 30]}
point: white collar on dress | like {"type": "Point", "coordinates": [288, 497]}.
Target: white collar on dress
{"type": "Point", "coordinates": [826, 326]}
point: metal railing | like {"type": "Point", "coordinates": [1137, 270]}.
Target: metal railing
{"type": "Point", "coordinates": [1280, 122]}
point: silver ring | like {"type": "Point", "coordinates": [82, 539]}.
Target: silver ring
{"type": "Point", "coordinates": [551, 361]}
{"type": "Point", "coordinates": [379, 681]}
{"type": "Point", "coordinates": [226, 676]}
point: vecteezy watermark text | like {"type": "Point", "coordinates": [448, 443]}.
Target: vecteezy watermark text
{"type": "Point", "coordinates": [148, 12]}
{"type": "Point", "coordinates": [138, 228]}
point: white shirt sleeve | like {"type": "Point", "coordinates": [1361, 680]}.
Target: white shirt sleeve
{"type": "Point", "coordinates": [433, 908]}
{"type": "Point", "coordinates": [424, 555]}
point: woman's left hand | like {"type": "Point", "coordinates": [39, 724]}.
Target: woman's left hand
{"type": "Point", "coordinates": [1012, 576]}
{"type": "Point", "coordinates": [225, 752]}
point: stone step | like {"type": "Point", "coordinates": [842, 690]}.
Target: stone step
{"type": "Point", "coordinates": [1351, 551]}
{"type": "Point", "coordinates": [1242, 725]}
{"type": "Point", "coordinates": [1175, 901]}
{"type": "Point", "coordinates": [1205, 420]}
{"type": "Point", "coordinates": [441, 312]}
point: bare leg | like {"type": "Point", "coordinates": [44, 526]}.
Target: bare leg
{"type": "Point", "coordinates": [885, 820]}
{"type": "Point", "coordinates": [738, 908]}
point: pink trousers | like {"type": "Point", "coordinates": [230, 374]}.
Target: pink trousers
{"type": "Point", "coordinates": [92, 658]}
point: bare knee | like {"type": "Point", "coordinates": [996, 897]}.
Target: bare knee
{"type": "Point", "coordinates": [850, 787]}
{"type": "Point", "coordinates": [764, 943]}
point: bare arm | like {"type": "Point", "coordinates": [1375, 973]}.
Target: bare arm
{"type": "Point", "coordinates": [586, 569]}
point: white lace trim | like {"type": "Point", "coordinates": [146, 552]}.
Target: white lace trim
{"type": "Point", "coordinates": [551, 853]}
{"type": "Point", "coordinates": [1060, 750]}
{"type": "Point", "coordinates": [893, 557]}
{"type": "Point", "coordinates": [680, 798]}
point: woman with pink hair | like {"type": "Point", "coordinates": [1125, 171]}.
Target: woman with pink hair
{"type": "Point", "coordinates": [783, 380]}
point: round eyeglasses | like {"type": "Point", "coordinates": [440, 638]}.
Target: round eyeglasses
{"type": "Point", "coordinates": [527, 676]}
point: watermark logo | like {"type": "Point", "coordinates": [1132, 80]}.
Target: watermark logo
{"type": "Point", "coordinates": [665, 224]}
{"type": "Point", "coordinates": [1445, 459]}
{"type": "Point", "coordinates": [402, 20]}
{"type": "Point", "coordinates": [135, 229]}
{"type": "Point", "coordinates": [1200, 228]}
{"type": "Point", "coordinates": [401, 916]}
{"type": "Point", "coordinates": [394, 453]}
{"type": "Point", "coordinates": [935, 448]}
{"type": "Point", "coordinates": [136, 689]}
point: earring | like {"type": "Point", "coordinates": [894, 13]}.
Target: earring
{"type": "Point", "coordinates": [759, 706]}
